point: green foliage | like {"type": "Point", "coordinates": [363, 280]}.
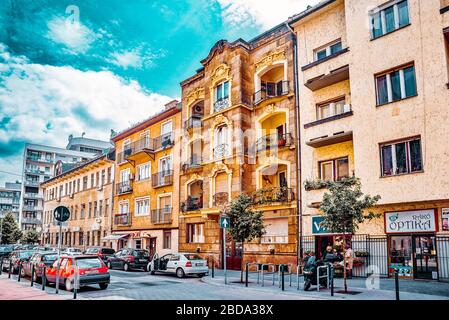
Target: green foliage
{"type": "Point", "coordinates": [310, 185]}
{"type": "Point", "coordinates": [10, 230]}
{"type": "Point", "coordinates": [344, 206]}
{"type": "Point", "coordinates": [30, 236]}
{"type": "Point", "coordinates": [246, 224]}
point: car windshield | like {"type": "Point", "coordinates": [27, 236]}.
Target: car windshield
{"type": "Point", "coordinates": [108, 251]}
{"type": "Point", "coordinates": [50, 257]}
{"type": "Point", "coordinates": [88, 263]}
{"type": "Point", "coordinates": [192, 257]}
{"type": "Point", "coordinates": [25, 254]}
{"type": "Point", "coordinates": [92, 250]}
{"type": "Point", "coordinates": [141, 254]}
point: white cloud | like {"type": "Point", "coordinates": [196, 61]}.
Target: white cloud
{"type": "Point", "coordinates": [264, 13]}
{"type": "Point", "coordinates": [137, 58]}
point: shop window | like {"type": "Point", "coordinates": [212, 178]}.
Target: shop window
{"type": "Point", "coordinates": [334, 170]}
{"type": "Point", "coordinates": [195, 233]}
{"type": "Point", "coordinates": [401, 157]}
{"type": "Point", "coordinates": [396, 85]}
{"type": "Point", "coordinates": [388, 18]}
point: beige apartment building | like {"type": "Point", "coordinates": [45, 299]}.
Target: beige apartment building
{"type": "Point", "coordinates": [374, 97]}
{"type": "Point", "coordinates": [87, 190]}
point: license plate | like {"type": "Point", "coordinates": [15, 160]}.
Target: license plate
{"type": "Point", "coordinates": [92, 271]}
{"type": "Point", "coordinates": [198, 264]}
{"type": "Point", "coordinates": [143, 260]}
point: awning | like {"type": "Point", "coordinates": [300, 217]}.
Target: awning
{"type": "Point", "coordinates": [115, 237]}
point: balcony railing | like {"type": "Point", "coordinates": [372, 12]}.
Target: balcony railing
{"type": "Point", "coordinates": [32, 196]}
{"type": "Point", "coordinates": [33, 221]}
{"type": "Point", "coordinates": [194, 122]}
{"type": "Point", "coordinates": [164, 141]}
{"type": "Point", "coordinates": [161, 216]}
{"type": "Point", "coordinates": [271, 91]}
{"type": "Point", "coordinates": [124, 187]}
{"type": "Point", "coordinates": [161, 179]}
{"type": "Point", "coordinates": [144, 144]}
{"type": "Point", "coordinates": [32, 208]}
{"type": "Point", "coordinates": [39, 159]}
{"type": "Point", "coordinates": [34, 171]}
{"type": "Point", "coordinates": [273, 141]}
{"type": "Point", "coordinates": [273, 195]}
{"type": "Point", "coordinates": [192, 204]}
{"type": "Point", "coordinates": [274, 239]}
{"type": "Point", "coordinates": [221, 199]}
{"type": "Point", "coordinates": [30, 183]}
{"type": "Point", "coordinates": [221, 104]}
{"type": "Point", "coordinates": [122, 219]}
{"type": "Point", "coordinates": [222, 150]}
{"type": "Point", "coordinates": [193, 163]}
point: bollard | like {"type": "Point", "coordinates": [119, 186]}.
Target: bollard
{"type": "Point", "coordinates": [246, 275]}
{"type": "Point", "coordinates": [396, 283]}
{"type": "Point", "coordinates": [9, 270]}
{"type": "Point", "coordinates": [32, 274]}
{"type": "Point", "coordinates": [1, 266]}
{"type": "Point", "coordinates": [332, 282]}
{"type": "Point", "coordinates": [20, 272]}
{"type": "Point", "coordinates": [44, 278]}
{"type": "Point", "coordinates": [213, 268]}
{"type": "Point", "coordinates": [282, 275]}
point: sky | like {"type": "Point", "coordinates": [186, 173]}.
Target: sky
{"type": "Point", "coordinates": [74, 66]}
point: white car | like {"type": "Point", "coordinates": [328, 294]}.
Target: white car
{"type": "Point", "coordinates": [72, 251]}
{"type": "Point", "coordinates": [181, 264]}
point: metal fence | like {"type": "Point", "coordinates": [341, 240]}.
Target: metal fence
{"type": "Point", "coordinates": [443, 258]}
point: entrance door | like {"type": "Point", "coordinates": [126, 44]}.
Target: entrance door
{"type": "Point", "coordinates": [425, 256]}
{"type": "Point", "coordinates": [233, 254]}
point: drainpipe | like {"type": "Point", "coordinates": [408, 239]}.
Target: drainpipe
{"type": "Point", "coordinates": [300, 248]}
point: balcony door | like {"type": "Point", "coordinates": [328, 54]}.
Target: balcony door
{"type": "Point", "coordinates": [165, 168]}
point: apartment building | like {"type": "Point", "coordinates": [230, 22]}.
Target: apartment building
{"type": "Point", "coordinates": [146, 201]}
{"type": "Point", "coordinates": [373, 90]}
{"type": "Point", "coordinates": [87, 190]}
{"type": "Point", "coordinates": [10, 199]}
{"type": "Point", "coordinates": [238, 120]}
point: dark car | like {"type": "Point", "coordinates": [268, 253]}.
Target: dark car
{"type": "Point", "coordinates": [127, 259]}
{"type": "Point", "coordinates": [39, 260]}
{"type": "Point", "coordinates": [16, 258]}
{"type": "Point", "coordinates": [102, 252]}
{"type": "Point", "coordinates": [92, 270]}
{"type": "Point", "coordinates": [6, 250]}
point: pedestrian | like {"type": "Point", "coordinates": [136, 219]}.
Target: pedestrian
{"type": "Point", "coordinates": [349, 254]}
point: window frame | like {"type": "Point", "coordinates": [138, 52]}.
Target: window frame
{"type": "Point", "coordinates": [402, 82]}
{"type": "Point", "coordinates": [380, 11]}
{"type": "Point", "coordinates": [138, 171]}
{"type": "Point", "coordinates": [327, 48]}
{"type": "Point", "coordinates": [393, 156]}
{"type": "Point", "coordinates": [334, 163]}
{"type": "Point", "coordinates": [221, 87]}
{"type": "Point", "coordinates": [136, 207]}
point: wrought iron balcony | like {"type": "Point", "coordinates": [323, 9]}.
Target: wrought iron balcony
{"type": "Point", "coordinates": [271, 91]}
{"type": "Point", "coordinates": [164, 141]}
{"type": "Point", "coordinates": [141, 145]}
{"type": "Point", "coordinates": [222, 150]}
{"type": "Point", "coordinates": [221, 104]}
{"type": "Point", "coordinates": [273, 195]}
{"type": "Point", "coordinates": [124, 187]}
{"type": "Point", "coordinates": [192, 204]}
{"type": "Point", "coordinates": [194, 122]}
{"type": "Point", "coordinates": [122, 219]}
{"type": "Point", "coordinates": [161, 179]}
{"type": "Point", "coordinates": [221, 199]}
{"type": "Point", "coordinates": [194, 163]}
{"type": "Point", "coordinates": [161, 216]}
{"type": "Point", "coordinates": [273, 141]}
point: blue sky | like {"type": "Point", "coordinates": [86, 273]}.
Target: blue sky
{"type": "Point", "coordinates": [73, 66]}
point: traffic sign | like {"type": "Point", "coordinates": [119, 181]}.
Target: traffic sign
{"type": "Point", "coordinates": [61, 214]}
{"type": "Point", "coordinates": [225, 223]}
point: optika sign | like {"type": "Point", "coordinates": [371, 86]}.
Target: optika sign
{"type": "Point", "coordinates": [410, 221]}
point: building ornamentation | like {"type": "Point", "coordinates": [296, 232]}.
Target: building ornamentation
{"type": "Point", "coordinates": [270, 59]}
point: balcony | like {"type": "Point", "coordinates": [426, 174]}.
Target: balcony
{"type": "Point", "coordinates": [162, 179]}
{"type": "Point", "coordinates": [34, 171]}
{"type": "Point", "coordinates": [143, 145]}
{"type": "Point", "coordinates": [33, 221]}
{"type": "Point", "coordinates": [192, 204]}
{"type": "Point", "coordinates": [193, 164]}
{"type": "Point", "coordinates": [194, 122]}
{"type": "Point", "coordinates": [124, 187]}
{"type": "Point", "coordinates": [39, 159]}
{"type": "Point", "coordinates": [325, 80]}
{"type": "Point", "coordinates": [32, 196]}
{"type": "Point", "coordinates": [273, 196]}
{"type": "Point", "coordinates": [29, 183]}
{"type": "Point", "coordinates": [122, 219]}
{"type": "Point", "coordinates": [272, 90]}
{"type": "Point", "coordinates": [221, 199]}
{"type": "Point", "coordinates": [32, 208]}
{"type": "Point", "coordinates": [221, 104]}
{"type": "Point", "coordinates": [328, 140]}
{"type": "Point", "coordinates": [222, 151]}
{"type": "Point", "coordinates": [273, 141]}
{"type": "Point", "coordinates": [274, 239]}
{"type": "Point", "coordinates": [345, 112]}
{"type": "Point", "coordinates": [161, 216]}
{"type": "Point", "coordinates": [164, 141]}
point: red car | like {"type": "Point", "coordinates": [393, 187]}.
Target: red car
{"type": "Point", "coordinates": [92, 270]}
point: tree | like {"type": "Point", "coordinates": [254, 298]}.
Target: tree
{"type": "Point", "coordinates": [10, 231]}
{"type": "Point", "coordinates": [246, 224]}
{"type": "Point", "coordinates": [30, 236]}
{"type": "Point", "coordinates": [345, 207]}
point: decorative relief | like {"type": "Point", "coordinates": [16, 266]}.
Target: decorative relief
{"type": "Point", "coordinates": [197, 94]}
{"type": "Point", "coordinates": [219, 166]}
{"type": "Point", "coordinates": [271, 108]}
{"type": "Point", "coordinates": [222, 72]}
{"type": "Point", "coordinates": [270, 59]}
{"type": "Point", "coordinates": [221, 119]}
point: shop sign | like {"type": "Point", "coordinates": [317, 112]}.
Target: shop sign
{"type": "Point", "coordinates": [316, 226]}
{"type": "Point", "coordinates": [410, 221]}
{"type": "Point", "coordinates": [445, 219]}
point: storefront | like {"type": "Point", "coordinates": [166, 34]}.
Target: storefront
{"type": "Point", "coordinates": [324, 239]}
{"type": "Point", "coordinates": [412, 243]}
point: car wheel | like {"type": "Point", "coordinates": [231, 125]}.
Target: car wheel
{"type": "Point", "coordinates": [148, 268]}
{"type": "Point", "coordinates": [180, 273]}
{"type": "Point", "coordinates": [68, 285]}
{"type": "Point", "coordinates": [307, 285]}
{"type": "Point", "coordinates": [103, 286]}
{"type": "Point", "coordinates": [109, 265]}
{"type": "Point", "coordinates": [22, 273]}
{"type": "Point", "coordinates": [200, 275]}
{"type": "Point", "coordinates": [126, 267]}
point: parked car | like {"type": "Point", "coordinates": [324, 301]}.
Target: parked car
{"type": "Point", "coordinates": [102, 252]}
{"type": "Point", "coordinates": [16, 257]}
{"type": "Point", "coordinates": [128, 259]}
{"type": "Point", "coordinates": [39, 260]}
{"type": "Point", "coordinates": [71, 251]}
{"type": "Point", "coordinates": [5, 251]}
{"type": "Point", "coordinates": [92, 270]}
{"type": "Point", "coordinates": [181, 264]}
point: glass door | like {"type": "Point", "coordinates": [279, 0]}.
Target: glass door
{"type": "Point", "coordinates": [426, 266]}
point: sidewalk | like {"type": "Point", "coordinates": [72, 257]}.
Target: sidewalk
{"type": "Point", "coordinates": [10, 289]}
{"type": "Point", "coordinates": [409, 289]}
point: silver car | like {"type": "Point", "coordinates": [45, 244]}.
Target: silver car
{"type": "Point", "coordinates": [181, 264]}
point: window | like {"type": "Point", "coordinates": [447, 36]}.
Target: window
{"type": "Point", "coordinates": [85, 183]}
{"type": "Point", "coordinates": [142, 207]}
{"type": "Point", "coordinates": [166, 240]}
{"type": "Point", "coordinates": [328, 50]}
{"type": "Point", "coordinates": [124, 207]}
{"type": "Point", "coordinates": [83, 211]}
{"type": "Point", "coordinates": [92, 180]}
{"type": "Point", "coordinates": [331, 109]}
{"type": "Point", "coordinates": [124, 175]}
{"type": "Point", "coordinates": [389, 18]}
{"type": "Point", "coordinates": [109, 175]}
{"type": "Point", "coordinates": [90, 210]}
{"type": "Point", "coordinates": [195, 233]}
{"type": "Point", "coordinates": [144, 171]}
{"type": "Point", "coordinates": [334, 170]}
{"type": "Point", "coordinates": [401, 158]}
{"type": "Point", "coordinates": [106, 207]}
{"type": "Point", "coordinates": [166, 128]}
{"type": "Point", "coordinates": [222, 91]}
{"type": "Point", "coordinates": [396, 85]}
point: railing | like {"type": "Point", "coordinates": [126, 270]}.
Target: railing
{"type": "Point", "coordinates": [34, 221]}
{"type": "Point", "coordinates": [32, 208]}
{"type": "Point", "coordinates": [273, 195]}
{"type": "Point", "coordinates": [164, 141]}
{"type": "Point", "coordinates": [144, 144]}
{"type": "Point", "coordinates": [192, 204]}
{"type": "Point", "coordinates": [32, 196]}
{"type": "Point", "coordinates": [221, 199]}
{"type": "Point", "coordinates": [34, 171]}
{"type": "Point", "coordinates": [161, 179]}
{"type": "Point", "coordinates": [221, 104]}
{"type": "Point", "coordinates": [194, 122]}
{"type": "Point", "coordinates": [39, 159]}
{"type": "Point", "coordinates": [29, 183]}
{"type": "Point", "coordinates": [273, 239]}
{"type": "Point", "coordinates": [124, 187]}
{"type": "Point", "coordinates": [276, 90]}
{"type": "Point", "coordinates": [274, 141]}
{"type": "Point", "coordinates": [161, 216]}
{"type": "Point", "coordinates": [122, 219]}
{"type": "Point", "coordinates": [221, 151]}
{"type": "Point", "coordinates": [193, 163]}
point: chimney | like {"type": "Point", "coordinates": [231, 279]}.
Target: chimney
{"type": "Point", "coordinates": [171, 104]}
